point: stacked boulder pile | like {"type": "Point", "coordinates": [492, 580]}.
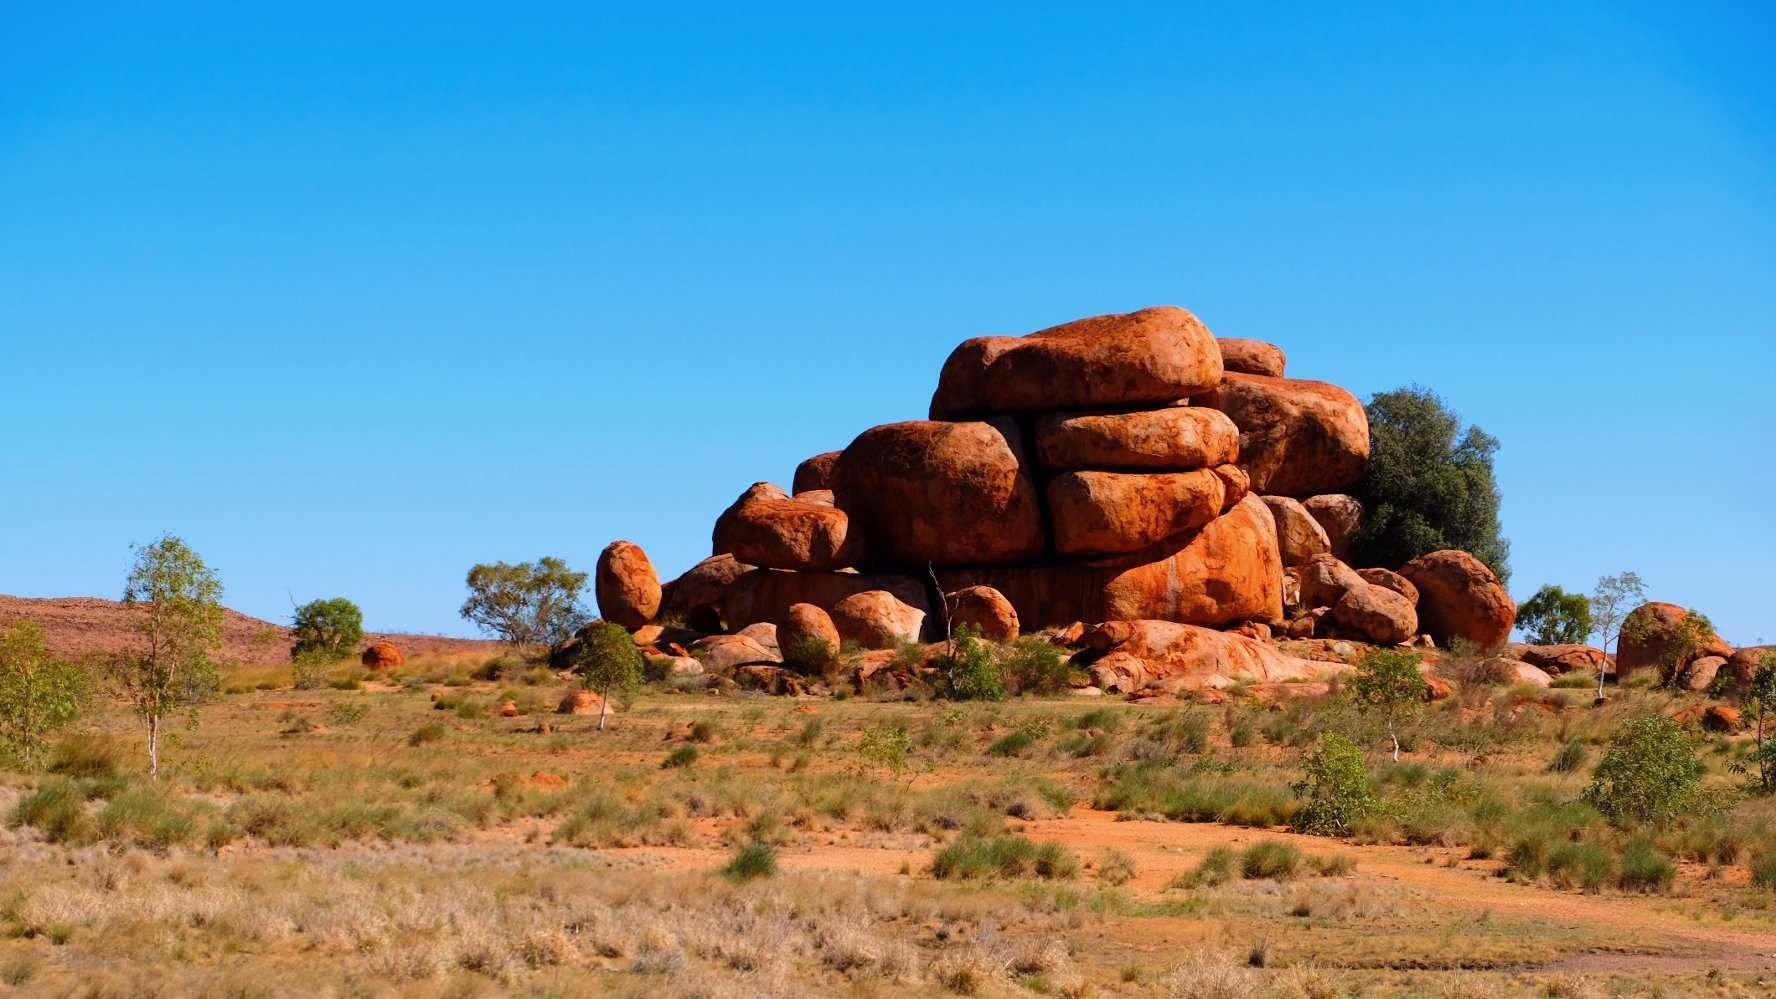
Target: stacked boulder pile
{"type": "Point", "coordinates": [1129, 479]}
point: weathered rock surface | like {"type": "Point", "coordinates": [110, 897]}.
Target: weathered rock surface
{"type": "Point", "coordinates": [1156, 355]}
{"type": "Point", "coordinates": [1252, 357]}
{"type": "Point", "coordinates": [1699, 675]}
{"type": "Point", "coordinates": [1459, 597]}
{"type": "Point", "coordinates": [1179, 438]}
{"type": "Point", "coordinates": [1341, 516]}
{"type": "Point", "coordinates": [1108, 513]}
{"type": "Point", "coordinates": [1299, 536]}
{"type": "Point", "coordinates": [580, 701]}
{"type": "Point", "coordinates": [1651, 639]}
{"type": "Point", "coordinates": [721, 653]}
{"type": "Point", "coordinates": [808, 638]}
{"type": "Point", "coordinates": [1561, 659]}
{"type": "Point", "coordinates": [1144, 653]}
{"type": "Point", "coordinates": [767, 527]}
{"type": "Point", "coordinates": [1375, 614]}
{"type": "Point", "coordinates": [1391, 580]}
{"type": "Point", "coordinates": [1741, 667]}
{"type": "Point", "coordinates": [1238, 485]}
{"type": "Point", "coordinates": [1505, 670]}
{"type": "Point", "coordinates": [817, 472]}
{"type": "Point", "coordinates": [767, 594]}
{"type": "Point", "coordinates": [1323, 581]}
{"type": "Point", "coordinates": [764, 633]}
{"type": "Point", "coordinates": [696, 597]}
{"type": "Point", "coordinates": [877, 619]}
{"type": "Point", "coordinates": [943, 493]}
{"type": "Point", "coordinates": [1225, 573]}
{"type": "Point", "coordinates": [628, 590]}
{"type": "Point", "coordinates": [1297, 438]}
{"type": "Point", "coordinates": [382, 655]}
{"type": "Point", "coordinates": [986, 609]}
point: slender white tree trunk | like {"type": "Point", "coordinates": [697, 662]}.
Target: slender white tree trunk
{"type": "Point", "coordinates": [154, 746]}
{"type": "Point", "coordinates": [603, 707]}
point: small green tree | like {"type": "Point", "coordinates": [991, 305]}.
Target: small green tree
{"type": "Point", "coordinates": [330, 628]}
{"type": "Point", "coordinates": [1650, 773]}
{"type": "Point", "coordinates": [178, 606]}
{"type": "Point", "coordinates": [1387, 683]}
{"type": "Point", "coordinates": [1760, 703]}
{"type": "Point", "coordinates": [970, 669]}
{"type": "Point", "coordinates": [38, 694]}
{"type": "Point", "coordinates": [608, 662]}
{"type": "Point", "coordinates": [1611, 602]}
{"type": "Point", "coordinates": [1555, 617]}
{"type": "Point", "coordinates": [1336, 786]}
{"type": "Point", "coordinates": [1430, 485]}
{"type": "Point", "coordinates": [527, 604]}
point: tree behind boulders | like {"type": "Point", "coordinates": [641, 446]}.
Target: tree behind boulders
{"type": "Point", "coordinates": [1430, 485]}
{"type": "Point", "coordinates": [1555, 617]}
{"type": "Point", "coordinates": [178, 605]}
{"type": "Point", "coordinates": [528, 603]}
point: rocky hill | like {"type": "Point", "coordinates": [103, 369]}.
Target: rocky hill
{"type": "Point", "coordinates": [74, 626]}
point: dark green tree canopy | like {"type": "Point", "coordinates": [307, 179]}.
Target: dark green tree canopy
{"type": "Point", "coordinates": [530, 603]}
{"type": "Point", "coordinates": [327, 627]}
{"type": "Point", "coordinates": [1430, 485]}
{"type": "Point", "coordinates": [1555, 617]}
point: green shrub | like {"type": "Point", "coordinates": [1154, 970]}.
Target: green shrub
{"type": "Point", "coordinates": [1569, 759]}
{"type": "Point", "coordinates": [57, 809]}
{"type": "Point", "coordinates": [1763, 867]}
{"type": "Point", "coordinates": [972, 856]}
{"type": "Point", "coordinates": [809, 655]}
{"type": "Point", "coordinates": [91, 758]}
{"type": "Point", "coordinates": [1332, 865]}
{"type": "Point", "coordinates": [1215, 869]}
{"type": "Point", "coordinates": [1270, 859]}
{"type": "Point", "coordinates": [968, 669]}
{"type": "Point", "coordinates": [1555, 617]}
{"type": "Point", "coordinates": [680, 758]}
{"type": "Point", "coordinates": [1031, 665]}
{"type": "Point", "coordinates": [1388, 685]}
{"type": "Point", "coordinates": [327, 630]}
{"type": "Point", "coordinates": [751, 861]}
{"type": "Point", "coordinates": [1644, 868]}
{"type": "Point", "coordinates": [426, 734]}
{"type": "Point", "coordinates": [1588, 865]}
{"type": "Point", "coordinates": [1020, 739]}
{"type": "Point", "coordinates": [1335, 785]}
{"type": "Point", "coordinates": [609, 663]}
{"type": "Point", "coordinates": [147, 817]}
{"type": "Point", "coordinates": [1650, 773]}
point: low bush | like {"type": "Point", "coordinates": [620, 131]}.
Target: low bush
{"type": "Point", "coordinates": [1650, 774]}
{"type": "Point", "coordinates": [426, 734]}
{"type": "Point", "coordinates": [1335, 785]}
{"type": "Point", "coordinates": [750, 862]}
{"type": "Point", "coordinates": [679, 758]}
{"type": "Point", "coordinates": [1031, 665]}
{"type": "Point", "coordinates": [1216, 868]}
{"type": "Point", "coordinates": [57, 809]}
{"type": "Point", "coordinates": [1270, 859]}
{"type": "Point", "coordinates": [1569, 759]}
{"type": "Point", "coordinates": [1644, 868]}
{"type": "Point", "coordinates": [968, 670]}
{"type": "Point", "coordinates": [971, 856]}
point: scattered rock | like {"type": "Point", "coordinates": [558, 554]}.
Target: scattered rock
{"type": "Point", "coordinates": [1699, 675]}
{"type": "Point", "coordinates": [764, 633]}
{"type": "Point", "coordinates": [1252, 357]}
{"type": "Point", "coordinates": [1459, 597]}
{"type": "Point", "coordinates": [1505, 670]}
{"type": "Point", "coordinates": [1375, 614]}
{"type": "Point", "coordinates": [1297, 438]}
{"type": "Point", "coordinates": [1299, 536]}
{"type": "Point", "coordinates": [808, 638]}
{"type": "Point", "coordinates": [1156, 355]}
{"type": "Point", "coordinates": [1560, 659]}
{"type": "Point", "coordinates": [508, 708]}
{"type": "Point", "coordinates": [1722, 718]}
{"type": "Point", "coordinates": [580, 701]}
{"type": "Point", "coordinates": [1139, 654]}
{"type": "Point", "coordinates": [723, 653]}
{"type": "Point", "coordinates": [628, 589]}
{"type": "Point", "coordinates": [773, 680]}
{"type": "Point", "coordinates": [986, 609]}
{"type": "Point", "coordinates": [876, 619]}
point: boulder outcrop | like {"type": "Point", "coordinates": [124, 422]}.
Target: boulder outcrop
{"type": "Point", "coordinates": [1136, 655]}
{"type": "Point", "coordinates": [1299, 536]}
{"type": "Point", "coordinates": [817, 472]}
{"type": "Point", "coordinates": [382, 655]}
{"type": "Point", "coordinates": [984, 608]}
{"type": "Point", "coordinates": [1459, 597]}
{"type": "Point", "coordinates": [769, 528]}
{"type": "Point", "coordinates": [1110, 513]}
{"type": "Point", "coordinates": [627, 587]}
{"type": "Point", "coordinates": [1561, 659]}
{"type": "Point", "coordinates": [1375, 614]}
{"type": "Point", "coordinates": [1655, 636]}
{"type": "Point", "coordinates": [1391, 580]}
{"type": "Point", "coordinates": [1297, 438]}
{"type": "Point", "coordinates": [1340, 516]}
{"type": "Point", "coordinates": [877, 619]}
{"type": "Point", "coordinates": [1178, 438]}
{"type": "Point", "coordinates": [1252, 357]}
{"type": "Point", "coordinates": [695, 598]}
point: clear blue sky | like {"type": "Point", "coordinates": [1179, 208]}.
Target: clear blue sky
{"type": "Point", "coordinates": [354, 296]}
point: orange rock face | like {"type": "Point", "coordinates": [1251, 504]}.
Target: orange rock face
{"type": "Point", "coordinates": [382, 655]}
{"type": "Point", "coordinates": [767, 594]}
{"type": "Point", "coordinates": [877, 619]}
{"type": "Point", "coordinates": [1108, 513]}
{"type": "Point", "coordinates": [1741, 666]}
{"type": "Point", "coordinates": [1237, 483]}
{"type": "Point", "coordinates": [1459, 597]}
{"type": "Point", "coordinates": [816, 473]}
{"type": "Point", "coordinates": [722, 653]}
{"type": "Point", "coordinates": [1156, 355]}
{"type": "Point", "coordinates": [803, 626]}
{"type": "Point", "coordinates": [1252, 357]}
{"type": "Point", "coordinates": [1324, 580]}
{"type": "Point", "coordinates": [944, 493]}
{"type": "Point", "coordinates": [767, 528]}
{"type": "Point", "coordinates": [1558, 659]}
{"type": "Point", "coordinates": [1297, 438]}
{"type": "Point", "coordinates": [986, 609]}
{"type": "Point", "coordinates": [1375, 614]}
{"type": "Point", "coordinates": [1143, 654]}
{"type": "Point", "coordinates": [696, 597]}
{"type": "Point", "coordinates": [1299, 536]}
{"type": "Point", "coordinates": [1340, 516]}
{"type": "Point", "coordinates": [579, 701]}
{"type": "Point", "coordinates": [1650, 640]}
{"type": "Point", "coordinates": [1180, 438]}
{"type": "Point", "coordinates": [627, 588]}
{"type": "Point", "coordinates": [1225, 573]}
{"type": "Point", "coordinates": [1391, 580]}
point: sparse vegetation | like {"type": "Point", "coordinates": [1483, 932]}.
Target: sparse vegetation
{"type": "Point", "coordinates": [38, 693]}
{"type": "Point", "coordinates": [1335, 785]}
{"type": "Point", "coordinates": [1649, 775]}
{"type": "Point", "coordinates": [179, 605]}
{"type": "Point", "coordinates": [527, 604]}
{"type": "Point", "coordinates": [326, 628]}
{"type": "Point", "coordinates": [608, 662]}
{"type": "Point", "coordinates": [1555, 617]}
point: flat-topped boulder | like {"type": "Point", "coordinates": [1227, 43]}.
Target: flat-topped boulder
{"type": "Point", "coordinates": [766, 527]}
{"type": "Point", "coordinates": [1145, 653]}
{"type": "Point", "coordinates": [1107, 513]}
{"type": "Point", "coordinates": [1252, 357]}
{"type": "Point", "coordinates": [1178, 438]}
{"type": "Point", "coordinates": [926, 491]}
{"type": "Point", "coordinates": [1118, 361]}
{"type": "Point", "coordinates": [1297, 437]}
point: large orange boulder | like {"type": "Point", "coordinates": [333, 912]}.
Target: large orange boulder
{"type": "Point", "coordinates": [816, 473]}
{"type": "Point", "coordinates": [986, 609]}
{"type": "Point", "coordinates": [1106, 513]}
{"type": "Point", "coordinates": [382, 655]}
{"type": "Point", "coordinates": [1252, 357]}
{"type": "Point", "coordinates": [695, 598]}
{"type": "Point", "coordinates": [1324, 580]}
{"type": "Point", "coordinates": [945, 493]}
{"type": "Point", "coordinates": [1375, 614]}
{"type": "Point", "coordinates": [808, 638]}
{"type": "Point", "coordinates": [1178, 438]}
{"type": "Point", "coordinates": [1140, 654]}
{"type": "Point", "coordinates": [1225, 573]}
{"type": "Point", "coordinates": [1391, 580]}
{"type": "Point", "coordinates": [1340, 515]}
{"type": "Point", "coordinates": [580, 701]}
{"type": "Point", "coordinates": [766, 527]}
{"type": "Point", "coordinates": [1297, 438]}
{"type": "Point", "coordinates": [767, 594]}
{"type": "Point", "coordinates": [628, 590]}
{"type": "Point", "coordinates": [1128, 360]}
{"type": "Point", "coordinates": [722, 653]}
{"type": "Point", "coordinates": [1654, 636]}
{"type": "Point", "coordinates": [1459, 597]}
{"type": "Point", "coordinates": [1559, 659]}
{"type": "Point", "coordinates": [877, 619]}
{"type": "Point", "coordinates": [1299, 536]}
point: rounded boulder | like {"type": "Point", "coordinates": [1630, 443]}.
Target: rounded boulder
{"type": "Point", "coordinates": [1179, 438]}
{"type": "Point", "coordinates": [876, 619]}
{"type": "Point", "coordinates": [628, 590]}
{"type": "Point", "coordinates": [1459, 597]}
{"type": "Point", "coordinates": [986, 609]}
{"type": "Point", "coordinates": [1297, 438]}
{"type": "Point", "coordinates": [1107, 513]}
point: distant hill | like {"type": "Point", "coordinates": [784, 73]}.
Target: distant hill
{"type": "Point", "coordinates": [75, 626]}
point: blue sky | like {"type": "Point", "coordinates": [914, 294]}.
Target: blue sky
{"type": "Point", "coordinates": [352, 297]}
